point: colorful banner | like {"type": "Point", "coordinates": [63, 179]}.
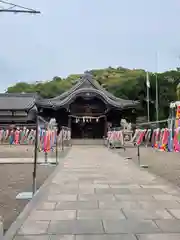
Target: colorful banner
{"type": "Point", "coordinates": [46, 138]}
{"type": "Point", "coordinates": [115, 137]}
{"type": "Point", "coordinates": [159, 139]}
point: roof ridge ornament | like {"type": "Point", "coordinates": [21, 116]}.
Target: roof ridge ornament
{"type": "Point", "coordinates": [88, 76]}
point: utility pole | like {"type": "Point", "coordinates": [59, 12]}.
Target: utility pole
{"type": "Point", "coordinates": [9, 7]}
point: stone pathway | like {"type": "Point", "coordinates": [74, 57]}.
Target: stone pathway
{"type": "Point", "coordinates": [99, 195]}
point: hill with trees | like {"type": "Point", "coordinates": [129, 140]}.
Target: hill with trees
{"type": "Point", "coordinates": [122, 82]}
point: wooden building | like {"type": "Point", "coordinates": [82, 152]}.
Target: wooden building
{"type": "Point", "coordinates": [17, 108]}
{"type": "Point", "coordinates": [87, 108]}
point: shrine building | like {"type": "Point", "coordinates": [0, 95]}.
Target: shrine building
{"type": "Point", "coordinates": [87, 108]}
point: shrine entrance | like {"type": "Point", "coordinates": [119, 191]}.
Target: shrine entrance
{"type": "Point", "coordinates": [91, 128]}
{"type": "Point", "coordinates": [87, 118]}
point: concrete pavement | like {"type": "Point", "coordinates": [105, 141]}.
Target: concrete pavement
{"type": "Point", "coordinates": [96, 194]}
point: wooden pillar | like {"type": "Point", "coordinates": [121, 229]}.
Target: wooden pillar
{"type": "Point", "coordinates": [69, 122]}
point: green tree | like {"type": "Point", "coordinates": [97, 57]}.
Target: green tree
{"type": "Point", "coordinates": [122, 82]}
{"type": "Point", "coordinates": [178, 91]}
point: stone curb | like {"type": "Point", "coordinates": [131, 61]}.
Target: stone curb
{"type": "Point", "coordinates": [1, 228]}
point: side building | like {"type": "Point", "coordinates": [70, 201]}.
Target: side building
{"type": "Point", "coordinates": [17, 109]}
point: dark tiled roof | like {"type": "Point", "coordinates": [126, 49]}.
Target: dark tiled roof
{"type": "Point", "coordinates": [120, 104]}
{"type": "Point", "coordinates": [17, 101]}
{"type": "Point", "coordinates": [57, 103]}
{"type": "Point", "coordinates": [86, 84]}
{"type": "Point", "coordinates": [44, 103]}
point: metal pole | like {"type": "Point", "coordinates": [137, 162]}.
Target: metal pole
{"type": "Point", "coordinates": [20, 11]}
{"type": "Point", "coordinates": [46, 157]}
{"type": "Point", "coordinates": [138, 155]}
{"type": "Point", "coordinates": [56, 148]}
{"type": "Point", "coordinates": [139, 158]}
{"type": "Point", "coordinates": [172, 128]}
{"type": "Point", "coordinates": [62, 139]}
{"type": "Point", "coordinates": [148, 115]}
{"type": "Point", "coordinates": [147, 90]}
{"type": "Point", "coordinates": [35, 155]}
{"type": "Point", "coordinates": [15, 8]}
{"type": "Point", "coordinates": [157, 91]}
{"type": "Point", "coordinates": [157, 101]}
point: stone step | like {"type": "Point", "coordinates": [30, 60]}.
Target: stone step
{"type": "Point", "coordinates": [87, 142]}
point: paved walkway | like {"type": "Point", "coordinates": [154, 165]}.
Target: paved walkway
{"type": "Point", "coordinates": [97, 194]}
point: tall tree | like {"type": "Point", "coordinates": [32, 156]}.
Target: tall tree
{"type": "Point", "coordinates": [122, 82]}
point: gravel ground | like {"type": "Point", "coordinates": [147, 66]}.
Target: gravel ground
{"type": "Point", "coordinates": [16, 151]}
{"type": "Point", "coordinates": [23, 151]}
{"type": "Point", "coordinates": [16, 178]}
{"type": "Point", "coordinates": [163, 164]}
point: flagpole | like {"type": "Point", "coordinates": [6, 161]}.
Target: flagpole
{"type": "Point", "coordinates": [148, 104]}
{"type": "Point", "coordinates": [147, 87]}
{"type": "Point", "coordinates": [157, 91]}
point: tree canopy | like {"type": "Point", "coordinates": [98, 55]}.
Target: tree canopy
{"type": "Point", "coordinates": [122, 82]}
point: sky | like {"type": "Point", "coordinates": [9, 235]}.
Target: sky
{"type": "Point", "coordinates": [72, 36]}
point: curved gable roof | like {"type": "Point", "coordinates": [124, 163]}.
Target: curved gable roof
{"type": "Point", "coordinates": [119, 104]}
{"type": "Point", "coordinates": [86, 85]}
